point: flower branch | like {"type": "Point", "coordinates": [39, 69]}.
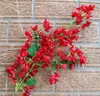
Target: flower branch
{"type": "Point", "coordinates": [55, 50]}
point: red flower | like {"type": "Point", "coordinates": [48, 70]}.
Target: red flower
{"type": "Point", "coordinates": [23, 48]}
{"type": "Point", "coordinates": [28, 90]}
{"type": "Point", "coordinates": [63, 41]}
{"type": "Point", "coordinates": [54, 78]}
{"type": "Point", "coordinates": [25, 94]}
{"type": "Point", "coordinates": [73, 66]}
{"type": "Point", "coordinates": [87, 9]}
{"type": "Point", "coordinates": [78, 21]}
{"type": "Point", "coordinates": [22, 75]}
{"type": "Point", "coordinates": [83, 60]}
{"type": "Point", "coordinates": [87, 24]}
{"type": "Point", "coordinates": [25, 54]}
{"type": "Point", "coordinates": [57, 32]}
{"type": "Point", "coordinates": [47, 26]}
{"type": "Point", "coordinates": [57, 74]}
{"type": "Point", "coordinates": [45, 65]}
{"type": "Point", "coordinates": [34, 28]}
{"type": "Point", "coordinates": [64, 66]}
{"type": "Point", "coordinates": [27, 44]}
{"type": "Point", "coordinates": [47, 59]}
{"type": "Point", "coordinates": [11, 70]}
{"type": "Point", "coordinates": [74, 14]}
{"type": "Point", "coordinates": [29, 35]}
{"type": "Point", "coordinates": [25, 67]}
{"type": "Point", "coordinates": [58, 66]}
{"type": "Point", "coordinates": [16, 65]}
{"type": "Point", "coordinates": [19, 59]}
{"type": "Point", "coordinates": [88, 16]}
{"type": "Point", "coordinates": [82, 12]}
{"type": "Point", "coordinates": [30, 87]}
{"type": "Point", "coordinates": [78, 16]}
{"type": "Point", "coordinates": [14, 79]}
{"type": "Point", "coordinates": [33, 73]}
{"type": "Point", "coordinates": [63, 56]}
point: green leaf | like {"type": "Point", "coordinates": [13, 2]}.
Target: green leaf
{"type": "Point", "coordinates": [37, 46]}
{"type": "Point", "coordinates": [74, 21]}
{"type": "Point", "coordinates": [33, 49]}
{"type": "Point", "coordinates": [36, 36]}
{"type": "Point", "coordinates": [60, 63]}
{"type": "Point", "coordinates": [66, 62]}
{"type": "Point", "coordinates": [20, 67]}
{"type": "Point", "coordinates": [54, 65]}
{"type": "Point", "coordinates": [31, 81]}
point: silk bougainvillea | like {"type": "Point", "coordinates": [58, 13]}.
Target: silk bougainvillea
{"type": "Point", "coordinates": [53, 49]}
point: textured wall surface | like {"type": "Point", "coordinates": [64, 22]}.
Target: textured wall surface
{"type": "Point", "coordinates": [17, 15]}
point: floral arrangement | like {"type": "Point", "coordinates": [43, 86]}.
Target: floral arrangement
{"type": "Point", "coordinates": [47, 48]}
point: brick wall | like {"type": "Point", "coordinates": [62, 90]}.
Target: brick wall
{"type": "Point", "coordinates": [83, 81]}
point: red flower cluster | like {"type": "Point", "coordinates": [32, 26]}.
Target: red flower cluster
{"type": "Point", "coordinates": [83, 13]}
{"type": "Point", "coordinates": [54, 78]}
{"type": "Point", "coordinates": [43, 52]}
{"type": "Point", "coordinates": [28, 90]}
{"type": "Point", "coordinates": [66, 37]}
{"type": "Point", "coordinates": [47, 26]}
{"type": "Point", "coordinates": [13, 70]}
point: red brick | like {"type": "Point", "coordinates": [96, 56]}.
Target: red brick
{"type": "Point", "coordinates": [47, 95]}
{"type": "Point", "coordinates": [78, 81]}
{"type": "Point", "coordinates": [17, 94]}
{"type": "Point", "coordinates": [54, 9]}
{"type": "Point", "coordinates": [2, 81]}
{"type": "Point", "coordinates": [9, 9]}
{"type": "Point", "coordinates": [8, 54]}
{"type": "Point", "coordinates": [93, 56]}
{"type": "Point", "coordinates": [3, 30]}
{"type": "Point", "coordinates": [43, 85]}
